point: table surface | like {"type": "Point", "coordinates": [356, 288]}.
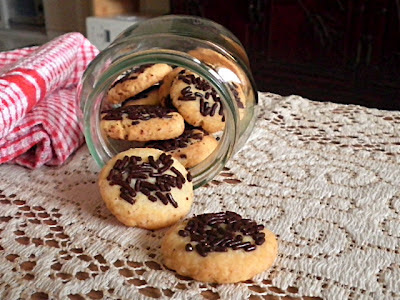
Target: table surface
{"type": "Point", "coordinates": [324, 177]}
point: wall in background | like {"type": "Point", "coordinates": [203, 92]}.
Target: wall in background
{"type": "Point", "coordinates": [339, 50]}
{"type": "Point", "coordinates": [30, 22]}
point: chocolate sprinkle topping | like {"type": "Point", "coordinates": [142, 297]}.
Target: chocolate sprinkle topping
{"type": "Point", "coordinates": [216, 232]}
{"type": "Point", "coordinates": [235, 93]}
{"type": "Point", "coordinates": [137, 112]}
{"type": "Point", "coordinates": [131, 74]}
{"type": "Point", "coordinates": [209, 99]}
{"type": "Point", "coordinates": [143, 94]}
{"type": "Point", "coordinates": [180, 142]}
{"type": "Point", "coordinates": [130, 173]}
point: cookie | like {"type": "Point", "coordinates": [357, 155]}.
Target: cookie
{"type": "Point", "coordinates": [219, 247]}
{"type": "Point", "coordinates": [136, 81]}
{"type": "Point", "coordinates": [165, 87]}
{"type": "Point", "coordinates": [142, 123]}
{"type": "Point", "coordinates": [227, 70]}
{"type": "Point", "coordinates": [146, 188]}
{"type": "Point", "coordinates": [198, 102]}
{"type": "Point", "coordinates": [218, 61]}
{"type": "Point", "coordinates": [239, 97]}
{"type": "Point", "coordinates": [147, 97]}
{"type": "Point", "coordinates": [190, 148]}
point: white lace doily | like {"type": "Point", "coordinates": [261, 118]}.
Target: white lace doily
{"type": "Point", "coordinates": [324, 177]}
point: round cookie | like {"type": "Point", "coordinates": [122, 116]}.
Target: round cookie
{"type": "Point", "coordinates": [136, 81]}
{"type": "Point", "coordinates": [227, 70]}
{"type": "Point", "coordinates": [147, 97]}
{"type": "Point", "coordinates": [146, 188]}
{"type": "Point", "coordinates": [217, 61]}
{"type": "Point", "coordinates": [190, 148]}
{"type": "Point", "coordinates": [198, 102]}
{"type": "Point", "coordinates": [165, 87]}
{"type": "Point", "coordinates": [142, 123]}
{"type": "Point", "coordinates": [219, 247]}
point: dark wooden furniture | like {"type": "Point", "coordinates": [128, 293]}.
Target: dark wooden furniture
{"type": "Point", "coordinates": [345, 51]}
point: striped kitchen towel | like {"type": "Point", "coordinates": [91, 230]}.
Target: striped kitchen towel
{"type": "Point", "coordinates": [38, 110]}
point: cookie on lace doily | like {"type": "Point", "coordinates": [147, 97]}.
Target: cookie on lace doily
{"type": "Point", "coordinates": [219, 247]}
{"type": "Point", "coordinates": [146, 188]}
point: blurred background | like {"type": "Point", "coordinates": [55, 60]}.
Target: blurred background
{"type": "Point", "coordinates": [345, 51]}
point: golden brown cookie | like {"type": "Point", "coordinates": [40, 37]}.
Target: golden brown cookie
{"type": "Point", "coordinates": [190, 148]}
{"type": "Point", "coordinates": [136, 81]}
{"type": "Point", "coordinates": [219, 247]}
{"type": "Point", "coordinates": [146, 188]}
{"type": "Point", "coordinates": [165, 88]}
{"type": "Point", "coordinates": [228, 70]}
{"type": "Point", "coordinates": [142, 123]}
{"type": "Point", "coordinates": [218, 61]}
{"type": "Point", "coordinates": [198, 102]}
{"type": "Point", "coordinates": [147, 97]}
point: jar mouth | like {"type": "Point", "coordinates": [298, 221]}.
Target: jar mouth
{"type": "Point", "coordinates": [208, 168]}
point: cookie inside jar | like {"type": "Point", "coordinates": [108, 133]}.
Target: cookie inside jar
{"type": "Point", "coordinates": [169, 108]}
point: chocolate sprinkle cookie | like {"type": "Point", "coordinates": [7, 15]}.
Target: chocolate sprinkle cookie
{"type": "Point", "coordinates": [131, 173]}
{"type": "Point", "coordinates": [131, 74]}
{"type": "Point", "coordinates": [137, 112]}
{"type": "Point", "coordinates": [147, 97]}
{"type": "Point", "coordinates": [198, 102]}
{"type": "Point", "coordinates": [136, 81]}
{"type": "Point", "coordinates": [207, 94]}
{"type": "Point", "coordinates": [219, 231]}
{"type": "Point", "coordinates": [147, 188]}
{"type": "Point", "coordinates": [190, 148]}
{"type": "Point", "coordinates": [142, 123]}
{"type": "Point", "coordinates": [219, 247]}
{"type": "Point", "coordinates": [180, 142]}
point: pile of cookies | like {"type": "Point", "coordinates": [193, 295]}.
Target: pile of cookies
{"type": "Point", "coordinates": [171, 109]}
{"type": "Point", "coordinates": [174, 114]}
{"type": "Point", "coordinates": [147, 188]}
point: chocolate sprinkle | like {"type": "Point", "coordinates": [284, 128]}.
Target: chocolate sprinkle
{"type": "Point", "coordinates": [235, 93]}
{"type": "Point", "coordinates": [137, 112]}
{"type": "Point", "coordinates": [216, 232]}
{"type": "Point", "coordinates": [182, 141]}
{"type": "Point", "coordinates": [131, 74]}
{"type": "Point", "coordinates": [131, 172]}
{"type": "Point", "coordinates": [207, 108]}
{"type": "Point", "coordinates": [189, 177]}
{"type": "Point", "coordinates": [142, 95]}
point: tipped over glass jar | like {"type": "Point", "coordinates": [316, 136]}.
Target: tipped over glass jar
{"type": "Point", "coordinates": [183, 64]}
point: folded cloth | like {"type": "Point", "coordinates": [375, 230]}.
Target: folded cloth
{"type": "Point", "coordinates": [38, 109]}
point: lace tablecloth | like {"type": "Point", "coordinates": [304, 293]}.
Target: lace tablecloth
{"type": "Point", "coordinates": [324, 177]}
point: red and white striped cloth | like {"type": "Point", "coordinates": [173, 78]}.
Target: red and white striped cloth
{"type": "Point", "coordinates": [38, 109]}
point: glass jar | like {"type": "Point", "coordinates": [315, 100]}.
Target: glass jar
{"type": "Point", "coordinates": [174, 40]}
